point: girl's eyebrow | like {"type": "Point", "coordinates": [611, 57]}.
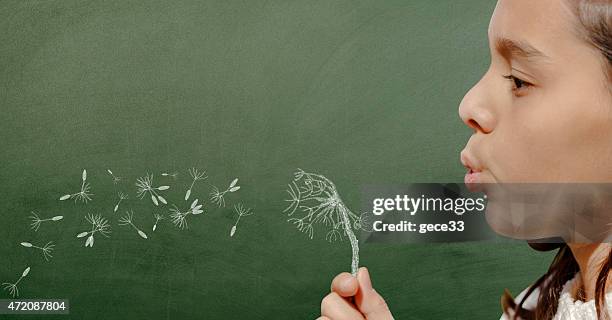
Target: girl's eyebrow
{"type": "Point", "coordinates": [518, 49]}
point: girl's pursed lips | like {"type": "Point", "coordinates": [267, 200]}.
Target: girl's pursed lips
{"type": "Point", "coordinates": [469, 163]}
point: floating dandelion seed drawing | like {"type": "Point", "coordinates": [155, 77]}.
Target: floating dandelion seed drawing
{"type": "Point", "coordinates": [145, 185]}
{"type": "Point", "coordinates": [12, 287]}
{"type": "Point", "coordinates": [242, 212]}
{"type": "Point", "coordinates": [46, 249]}
{"type": "Point", "coordinates": [98, 225]}
{"type": "Point", "coordinates": [195, 175]}
{"type": "Point", "coordinates": [157, 217]}
{"type": "Point", "coordinates": [83, 195]}
{"type": "Point", "coordinates": [218, 197]}
{"type": "Point", "coordinates": [317, 198]}
{"type": "Point", "coordinates": [36, 220]}
{"type": "Point", "coordinates": [127, 220]}
{"type": "Point", "coordinates": [116, 179]}
{"type": "Point", "coordinates": [170, 174]}
{"type": "Point", "coordinates": [122, 196]}
{"type": "Point", "coordinates": [179, 218]}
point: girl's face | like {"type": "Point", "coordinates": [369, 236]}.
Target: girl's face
{"type": "Point", "coordinates": [543, 110]}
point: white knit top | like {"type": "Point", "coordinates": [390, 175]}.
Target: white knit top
{"type": "Point", "coordinates": [568, 308]}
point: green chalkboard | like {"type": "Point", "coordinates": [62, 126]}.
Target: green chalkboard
{"type": "Point", "coordinates": [360, 91]}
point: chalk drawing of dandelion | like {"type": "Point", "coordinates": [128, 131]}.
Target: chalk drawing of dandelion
{"type": "Point", "coordinates": [241, 212]}
{"type": "Point", "coordinates": [218, 196]}
{"type": "Point", "coordinates": [145, 185]}
{"type": "Point", "coordinates": [317, 200]}
{"type": "Point", "coordinates": [122, 196]}
{"type": "Point", "coordinates": [115, 178]}
{"type": "Point", "coordinates": [98, 225]}
{"type": "Point", "coordinates": [170, 174]}
{"type": "Point", "coordinates": [195, 176]}
{"type": "Point", "coordinates": [127, 220]}
{"type": "Point", "coordinates": [179, 217]}
{"type": "Point", "coordinates": [84, 195]}
{"type": "Point", "coordinates": [46, 249]}
{"type": "Point", "coordinates": [36, 220]}
{"type": "Point", "coordinates": [12, 287]}
{"type": "Point", "coordinates": [157, 217]}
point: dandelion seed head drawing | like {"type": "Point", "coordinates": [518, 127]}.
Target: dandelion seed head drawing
{"type": "Point", "coordinates": [179, 218]}
{"type": "Point", "coordinates": [84, 195]}
{"type": "Point", "coordinates": [116, 179]}
{"type": "Point", "coordinates": [195, 176]}
{"type": "Point", "coordinates": [46, 250]}
{"type": "Point", "coordinates": [241, 211]}
{"type": "Point", "coordinates": [98, 225]}
{"type": "Point", "coordinates": [122, 196]}
{"type": "Point", "coordinates": [145, 186]}
{"type": "Point", "coordinates": [174, 175]}
{"type": "Point", "coordinates": [37, 220]}
{"type": "Point", "coordinates": [218, 197]}
{"type": "Point", "coordinates": [127, 219]}
{"type": "Point", "coordinates": [157, 218]}
{"type": "Point", "coordinates": [314, 199]}
{"type": "Point", "coordinates": [12, 287]}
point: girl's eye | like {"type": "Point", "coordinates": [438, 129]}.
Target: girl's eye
{"type": "Point", "coordinates": [517, 84]}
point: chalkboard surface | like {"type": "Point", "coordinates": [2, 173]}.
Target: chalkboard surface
{"type": "Point", "coordinates": [360, 91]}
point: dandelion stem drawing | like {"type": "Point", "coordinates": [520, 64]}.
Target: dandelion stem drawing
{"type": "Point", "coordinates": [195, 175]}
{"type": "Point", "coordinates": [98, 225]}
{"type": "Point", "coordinates": [242, 212]}
{"type": "Point", "coordinates": [116, 179]}
{"type": "Point", "coordinates": [83, 195]}
{"type": "Point", "coordinates": [145, 185]}
{"type": "Point", "coordinates": [122, 196]}
{"type": "Point", "coordinates": [218, 196]}
{"type": "Point", "coordinates": [157, 217]}
{"type": "Point", "coordinates": [127, 220]}
{"type": "Point", "coordinates": [46, 249]}
{"type": "Point", "coordinates": [12, 287]}
{"type": "Point", "coordinates": [179, 218]}
{"type": "Point", "coordinates": [36, 220]}
{"type": "Point", "coordinates": [317, 199]}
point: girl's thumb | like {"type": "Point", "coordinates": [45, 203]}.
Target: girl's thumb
{"type": "Point", "coordinates": [369, 302]}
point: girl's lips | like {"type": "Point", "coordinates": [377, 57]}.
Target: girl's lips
{"type": "Point", "coordinates": [471, 179]}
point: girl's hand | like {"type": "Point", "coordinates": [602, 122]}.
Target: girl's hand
{"type": "Point", "coordinates": [353, 298]}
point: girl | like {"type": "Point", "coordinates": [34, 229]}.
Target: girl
{"type": "Point", "coordinates": [541, 113]}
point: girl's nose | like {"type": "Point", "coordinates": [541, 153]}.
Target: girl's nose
{"type": "Point", "coordinates": [476, 110]}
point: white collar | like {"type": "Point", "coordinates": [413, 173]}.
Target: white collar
{"type": "Point", "coordinates": [570, 309]}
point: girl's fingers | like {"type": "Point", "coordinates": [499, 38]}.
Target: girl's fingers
{"type": "Point", "coordinates": [369, 302]}
{"type": "Point", "coordinates": [335, 307]}
{"type": "Point", "coordinates": [345, 285]}
{"type": "Point", "coordinates": [323, 318]}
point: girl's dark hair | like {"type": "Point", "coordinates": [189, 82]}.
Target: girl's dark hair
{"type": "Point", "coordinates": [595, 26]}
{"type": "Point", "coordinates": [562, 269]}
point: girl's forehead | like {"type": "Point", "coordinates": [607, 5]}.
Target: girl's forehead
{"type": "Point", "coordinates": [545, 27]}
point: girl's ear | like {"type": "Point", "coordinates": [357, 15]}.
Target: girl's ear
{"type": "Point", "coordinates": [546, 244]}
